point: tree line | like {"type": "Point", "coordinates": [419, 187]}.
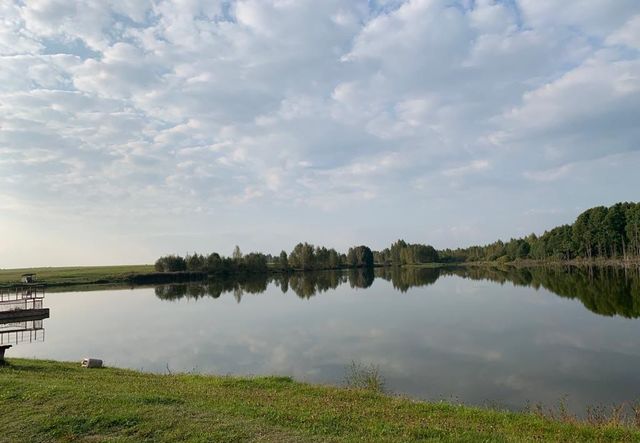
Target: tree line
{"type": "Point", "coordinates": [214, 263]}
{"type": "Point", "coordinates": [599, 232]}
{"type": "Point", "coordinates": [303, 257]}
{"type": "Point", "coordinates": [403, 253]}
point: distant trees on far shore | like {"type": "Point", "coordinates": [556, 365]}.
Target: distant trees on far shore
{"type": "Point", "coordinates": [598, 232]}
{"type": "Point", "coordinates": [303, 257]}
{"type": "Point", "coordinates": [214, 263]}
{"type": "Point", "coordinates": [403, 253]}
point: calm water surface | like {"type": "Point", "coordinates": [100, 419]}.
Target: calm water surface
{"type": "Point", "coordinates": [502, 338]}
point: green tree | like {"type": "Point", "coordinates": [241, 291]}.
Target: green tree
{"type": "Point", "coordinates": [360, 257]}
{"type": "Point", "coordinates": [283, 261]}
{"type": "Point", "coordinates": [632, 229]}
{"type": "Point", "coordinates": [237, 254]}
{"type": "Point", "coordinates": [195, 263]}
{"type": "Point", "coordinates": [302, 257]}
{"type": "Point", "coordinates": [171, 263]}
{"type": "Point", "coordinates": [615, 222]}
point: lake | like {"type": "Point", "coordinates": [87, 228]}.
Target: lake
{"type": "Point", "coordinates": [479, 336]}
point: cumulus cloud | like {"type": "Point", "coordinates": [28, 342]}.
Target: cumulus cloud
{"type": "Point", "coordinates": [273, 108]}
{"type": "Point", "coordinates": [586, 113]}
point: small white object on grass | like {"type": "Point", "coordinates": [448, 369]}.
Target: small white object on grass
{"type": "Point", "coordinates": [91, 363]}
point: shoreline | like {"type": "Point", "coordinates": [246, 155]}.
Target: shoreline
{"type": "Point", "coordinates": [96, 277]}
{"type": "Point", "coordinates": [585, 263]}
{"type": "Point", "coordinates": [48, 400]}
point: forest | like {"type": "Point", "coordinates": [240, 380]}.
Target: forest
{"type": "Point", "coordinates": [303, 257]}
{"type": "Point", "coordinates": [599, 232]}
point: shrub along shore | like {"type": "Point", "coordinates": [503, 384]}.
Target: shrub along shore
{"type": "Point", "coordinates": [45, 401]}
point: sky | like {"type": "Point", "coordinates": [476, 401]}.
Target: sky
{"type": "Point", "coordinates": [129, 130]}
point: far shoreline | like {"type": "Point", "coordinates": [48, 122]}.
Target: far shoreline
{"type": "Point", "coordinates": [127, 276]}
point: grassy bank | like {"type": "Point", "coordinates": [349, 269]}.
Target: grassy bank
{"type": "Point", "coordinates": [78, 275]}
{"type": "Point", "coordinates": [45, 401]}
{"type": "Point", "coordinates": [95, 277]}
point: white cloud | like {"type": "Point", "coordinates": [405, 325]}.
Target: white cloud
{"type": "Point", "coordinates": [277, 108]}
{"type": "Point", "coordinates": [586, 113]}
{"type": "Point", "coordinates": [14, 38]}
{"type": "Point", "coordinates": [595, 17]}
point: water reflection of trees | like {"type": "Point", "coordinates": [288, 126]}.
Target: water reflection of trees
{"type": "Point", "coordinates": [251, 284]}
{"type": "Point", "coordinates": [403, 279]}
{"type": "Point", "coordinates": [361, 277]}
{"type": "Point", "coordinates": [605, 291]}
{"type": "Point", "coordinates": [303, 284]}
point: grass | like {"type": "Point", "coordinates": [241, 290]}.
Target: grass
{"type": "Point", "coordinates": [75, 275]}
{"type": "Point", "coordinates": [51, 401]}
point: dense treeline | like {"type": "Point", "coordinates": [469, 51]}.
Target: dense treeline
{"type": "Point", "coordinates": [214, 263]}
{"type": "Point", "coordinates": [402, 253]}
{"type": "Point", "coordinates": [304, 257]}
{"type": "Point", "coordinates": [600, 232]}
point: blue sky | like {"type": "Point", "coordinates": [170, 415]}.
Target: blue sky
{"type": "Point", "coordinates": [134, 129]}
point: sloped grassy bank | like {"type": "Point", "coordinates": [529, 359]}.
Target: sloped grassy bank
{"type": "Point", "coordinates": [77, 275]}
{"type": "Point", "coordinates": [50, 401]}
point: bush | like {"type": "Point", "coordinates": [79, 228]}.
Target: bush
{"type": "Point", "coordinates": [368, 377]}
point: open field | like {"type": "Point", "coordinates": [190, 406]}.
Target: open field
{"type": "Point", "coordinates": [75, 275]}
{"type": "Point", "coordinates": [51, 401]}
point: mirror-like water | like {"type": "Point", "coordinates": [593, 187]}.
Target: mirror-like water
{"type": "Point", "coordinates": [478, 336]}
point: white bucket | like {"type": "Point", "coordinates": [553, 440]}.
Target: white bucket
{"type": "Point", "coordinates": [91, 363]}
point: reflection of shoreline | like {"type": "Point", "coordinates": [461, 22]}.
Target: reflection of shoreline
{"type": "Point", "coordinates": [304, 285]}
{"type": "Point", "coordinates": [604, 291]}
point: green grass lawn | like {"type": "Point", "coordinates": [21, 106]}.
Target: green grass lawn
{"type": "Point", "coordinates": [74, 275]}
{"type": "Point", "coordinates": [50, 401]}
